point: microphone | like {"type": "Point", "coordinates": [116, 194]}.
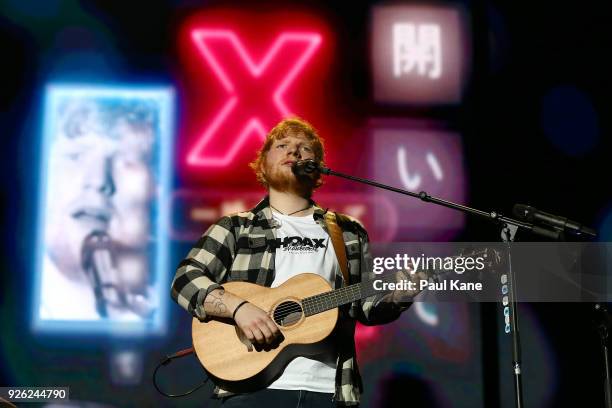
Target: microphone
{"type": "Point", "coordinates": [532, 214]}
{"type": "Point", "coordinates": [98, 262]}
{"type": "Point", "coordinates": [306, 167]}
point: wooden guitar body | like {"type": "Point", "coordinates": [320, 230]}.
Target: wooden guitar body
{"type": "Point", "coordinates": [305, 308]}
{"type": "Point", "coordinates": [237, 365]}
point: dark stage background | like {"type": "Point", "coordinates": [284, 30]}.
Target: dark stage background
{"type": "Point", "coordinates": [518, 113]}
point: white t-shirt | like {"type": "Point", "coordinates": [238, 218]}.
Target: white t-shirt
{"type": "Point", "coordinates": [305, 247]}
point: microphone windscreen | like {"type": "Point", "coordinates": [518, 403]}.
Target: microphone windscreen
{"type": "Point", "coordinates": [304, 167]}
{"type": "Point", "coordinates": [523, 211]}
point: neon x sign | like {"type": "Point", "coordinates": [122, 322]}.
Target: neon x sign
{"type": "Point", "coordinates": [255, 90]}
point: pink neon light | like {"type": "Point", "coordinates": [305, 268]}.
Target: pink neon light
{"type": "Point", "coordinates": [254, 124]}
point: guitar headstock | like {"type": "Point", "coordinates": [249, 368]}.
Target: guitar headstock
{"type": "Point", "coordinates": [488, 260]}
{"type": "Point", "coordinates": [492, 257]}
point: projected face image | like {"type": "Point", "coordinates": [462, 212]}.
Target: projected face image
{"type": "Point", "coordinates": [97, 218]}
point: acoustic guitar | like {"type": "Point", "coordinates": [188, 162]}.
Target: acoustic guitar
{"type": "Point", "coordinates": [305, 308]}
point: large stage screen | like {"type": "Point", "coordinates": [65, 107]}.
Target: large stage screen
{"type": "Point", "coordinates": [102, 219]}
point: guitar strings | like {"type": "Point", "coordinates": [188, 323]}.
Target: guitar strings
{"type": "Point", "coordinates": [326, 299]}
{"type": "Point", "coordinates": [319, 300]}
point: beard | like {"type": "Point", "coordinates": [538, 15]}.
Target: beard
{"type": "Point", "coordinates": [282, 179]}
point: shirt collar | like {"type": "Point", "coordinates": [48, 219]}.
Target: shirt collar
{"type": "Point", "coordinates": [262, 210]}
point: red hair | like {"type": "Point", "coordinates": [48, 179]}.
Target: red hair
{"type": "Point", "coordinates": [288, 127]}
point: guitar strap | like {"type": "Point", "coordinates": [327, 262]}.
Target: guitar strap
{"type": "Point", "coordinates": [338, 242]}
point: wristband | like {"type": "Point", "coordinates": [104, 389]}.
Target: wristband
{"type": "Point", "coordinates": [238, 307]}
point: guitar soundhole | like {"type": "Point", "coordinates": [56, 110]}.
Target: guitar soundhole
{"type": "Point", "coordinates": [288, 313]}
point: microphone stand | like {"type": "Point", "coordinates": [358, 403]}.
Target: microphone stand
{"type": "Point", "coordinates": [603, 322]}
{"type": "Point", "coordinates": [509, 227]}
{"type": "Point", "coordinates": [423, 196]}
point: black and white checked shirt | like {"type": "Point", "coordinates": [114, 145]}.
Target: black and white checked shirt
{"type": "Point", "coordinates": [241, 247]}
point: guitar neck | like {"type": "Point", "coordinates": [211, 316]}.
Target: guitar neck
{"type": "Point", "coordinates": [335, 298]}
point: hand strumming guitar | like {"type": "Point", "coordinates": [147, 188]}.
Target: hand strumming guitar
{"type": "Point", "coordinates": [254, 322]}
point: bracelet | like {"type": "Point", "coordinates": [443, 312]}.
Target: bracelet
{"type": "Point", "coordinates": [238, 307]}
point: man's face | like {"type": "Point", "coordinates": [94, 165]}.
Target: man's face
{"type": "Point", "coordinates": [93, 181]}
{"type": "Point", "coordinates": [283, 153]}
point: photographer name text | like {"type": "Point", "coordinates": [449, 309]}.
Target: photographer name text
{"type": "Point", "coordinates": [422, 284]}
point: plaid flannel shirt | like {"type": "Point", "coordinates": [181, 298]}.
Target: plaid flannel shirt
{"type": "Point", "coordinates": [241, 247]}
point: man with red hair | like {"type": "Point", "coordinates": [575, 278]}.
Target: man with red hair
{"type": "Point", "coordinates": [285, 216]}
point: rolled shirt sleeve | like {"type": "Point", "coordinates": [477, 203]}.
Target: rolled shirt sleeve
{"type": "Point", "coordinates": [376, 309]}
{"type": "Point", "coordinates": [204, 268]}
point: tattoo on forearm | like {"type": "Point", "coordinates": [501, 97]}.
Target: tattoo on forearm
{"type": "Point", "coordinates": [216, 301]}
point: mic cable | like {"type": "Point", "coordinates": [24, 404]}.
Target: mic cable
{"type": "Point", "coordinates": [167, 360]}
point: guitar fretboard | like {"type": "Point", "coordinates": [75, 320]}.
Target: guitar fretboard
{"type": "Point", "coordinates": [334, 298]}
{"type": "Point", "coordinates": [330, 300]}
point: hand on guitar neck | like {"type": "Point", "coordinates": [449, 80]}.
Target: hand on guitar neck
{"type": "Point", "coordinates": [254, 322]}
{"type": "Point", "coordinates": [406, 296]}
